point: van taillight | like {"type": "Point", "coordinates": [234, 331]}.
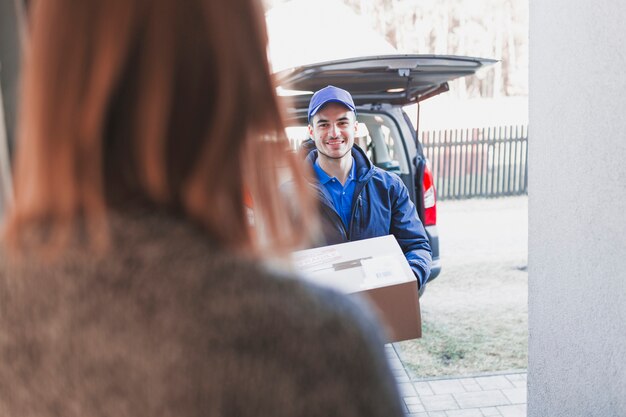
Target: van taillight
{"type": "Point", "coordinates": [430, 198]}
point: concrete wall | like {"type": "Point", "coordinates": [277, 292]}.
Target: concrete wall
{"type": "Point", "coordinates": [577, 209]}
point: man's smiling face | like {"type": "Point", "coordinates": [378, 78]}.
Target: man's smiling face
{"type": "Point", "coordinates": [333, 129]}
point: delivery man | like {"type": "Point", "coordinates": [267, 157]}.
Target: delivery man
{"type": "Point", "coordinates": [358, 199]}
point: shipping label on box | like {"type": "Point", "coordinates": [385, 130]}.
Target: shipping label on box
{"type": "Point", "coordinates": [375, 268]}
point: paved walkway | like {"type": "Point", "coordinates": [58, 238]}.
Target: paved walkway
{"type": "Point", "coordinates": [493, 395]}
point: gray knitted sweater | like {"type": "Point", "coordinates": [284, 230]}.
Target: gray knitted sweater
{"type": "Point", "coordinates": [166, 325]}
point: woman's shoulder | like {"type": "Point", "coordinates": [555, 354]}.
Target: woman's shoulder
{"type": "Point", "coordinates": [165, 299]}
{"type": "Point", "coordinates": [281, 304]}
{"type": "Point", "coordinates": [173, 263]}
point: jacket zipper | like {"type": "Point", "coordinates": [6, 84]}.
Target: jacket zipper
{"type": "Point", "coordinates": [360, 205]}
{"type": "Point", "coordinates": [361, 210]}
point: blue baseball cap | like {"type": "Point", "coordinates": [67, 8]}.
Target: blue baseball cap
{"type": "Point", "coordinates": [330, 94]}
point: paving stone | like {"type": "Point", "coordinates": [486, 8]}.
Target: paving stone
{"type": "Point", "coordinates": [518, 380]}
{"type": "Point", "coordinates": [494, 382]}
{"type": "Point", "coordinates": [391, 353]}
{"type": "Point", "coordinates": [490, 412]}
{"type": "Point", "coordinates": [423, 388]}
{"type": "Point", "coordinates": [517, 377]}
{"type": "Point", "coordinates": [471, 412]}
{"type": "Point", "coordinates": [395, 364]}
{"type": "Point", "coordinates": [481, 399]}
{"type": "Point", "coordinates": [519, 384]}
{"type": "Point", "coordinates": [415, 408]}
{"type": "Point", "coordinates": [439, 402]}
{"type": "Point", "coordinates": [513, 410]}
{"type": "Point", "coordinates": [411, 374]}
{"type": "Point", "coordinates": [402, 379]}
{"type": "Point", "coordinates": [481, 396]}
{"type": "Point", "coordinates": [446, 386]}
{"type": "Point", "coordinates": [414, 405]}
{"type": "Point", "coordinates": [406, 389]}
{"type": "Point", "coordinates": [515, 395]}
{"type": "Point", "coordinates": [470, 384]}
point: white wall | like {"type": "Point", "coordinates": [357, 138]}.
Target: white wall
{"type": "Point", "coordinates": [577, 209]}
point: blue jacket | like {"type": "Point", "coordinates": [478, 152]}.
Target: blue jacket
{"type": "Point", "coordinates": [381, 206]}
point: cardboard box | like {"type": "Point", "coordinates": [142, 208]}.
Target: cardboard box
{"type": "Point", "coordinates": [375, 268]}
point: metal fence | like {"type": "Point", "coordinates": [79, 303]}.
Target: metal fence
{"type": "Point", "coordinates": [480, 162]}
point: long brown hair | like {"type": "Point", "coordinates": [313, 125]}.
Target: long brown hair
{"type": "Point", "coordinates": [163, 103]}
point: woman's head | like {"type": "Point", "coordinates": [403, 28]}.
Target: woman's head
{"type": "Point", "coordinates": [161, 103]}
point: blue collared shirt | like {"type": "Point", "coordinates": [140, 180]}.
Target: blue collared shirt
{"type": "Point", "coordinates": [340, 195]}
